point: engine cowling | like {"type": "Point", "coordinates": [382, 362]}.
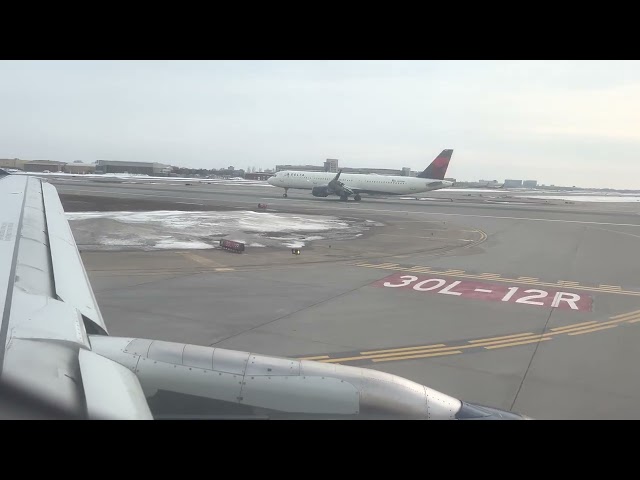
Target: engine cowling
{"type": "Point", "coordinates": [320, 191]}
{"type": "Point", "coordinates": [198, 382]}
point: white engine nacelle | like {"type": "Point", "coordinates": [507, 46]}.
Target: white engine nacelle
{"type": "Point", "coordinates": [192, 381]}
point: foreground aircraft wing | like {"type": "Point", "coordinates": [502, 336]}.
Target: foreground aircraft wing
{"type": "Point", "coordinates": [55, 349]}
{"type": "Point", "coordinates": [49, 310]}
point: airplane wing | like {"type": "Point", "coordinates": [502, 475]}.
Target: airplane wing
{"type": "Point", "coordinates": [49, 311]}
{"type": "Point", "coordinates": [338, 187]}
{"type": "Point", "coordinates": [55, 347]}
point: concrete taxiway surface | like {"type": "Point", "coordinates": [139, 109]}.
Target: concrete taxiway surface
{"type": "Point", "coordinates": [531, 307]}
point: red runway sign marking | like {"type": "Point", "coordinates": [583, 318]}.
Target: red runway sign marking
{"type": "Point", "coordinates": [488, 291]}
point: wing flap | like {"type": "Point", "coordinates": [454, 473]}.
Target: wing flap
{"type": "Point", "coordinates": [45, 369]}
{"type": "Point", "coordinates": [39, 317]}
{"type": "Point", "coordinates": [112, 391]}
{"type": "Point", "coordinates": [70, 278]}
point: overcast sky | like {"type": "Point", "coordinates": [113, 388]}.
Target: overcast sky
{"type": "Point", "coordinates": [559, 122]}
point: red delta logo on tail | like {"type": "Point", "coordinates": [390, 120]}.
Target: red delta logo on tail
{"type": "Point", "coordinates": [438, 168]}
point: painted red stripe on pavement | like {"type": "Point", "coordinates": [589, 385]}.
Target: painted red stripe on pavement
{"type": "Point", "coordinates": [497, 292]}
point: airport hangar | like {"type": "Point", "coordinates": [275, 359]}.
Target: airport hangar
{"type": "Point", "coordinates": [140, 168]}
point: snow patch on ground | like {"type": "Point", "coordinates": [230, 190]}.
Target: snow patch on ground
{"type": "Point", "coordinates": [168, 229]}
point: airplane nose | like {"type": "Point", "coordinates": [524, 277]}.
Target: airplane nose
{"type": "Point", "coordinates": [270, 180]}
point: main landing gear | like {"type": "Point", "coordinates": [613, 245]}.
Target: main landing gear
{"type": "Point", "coordinates": [345, 198]}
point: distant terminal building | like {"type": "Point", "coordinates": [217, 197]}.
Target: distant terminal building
{"type": "Point", "coordinates": [14, 163]}
{"type": "Point", "coordinates": [331, 165]}
{"type": "Point", "coordinates": [512, 183]}
{"type": "Point", "coordinates": [141, 168]}
{"type": "Point", "coordinates": [377, 171]}
{"type": "Point", "coordinates": [47, 166]}
{"type": "Point", "coordinates": [79, 168]}
{"type": "Point", "coordinates": [258, 175]}
{"type": "Point", "coordinates": [301, 168]}
{"type": "Point", "coordinates": [44, 166]}
{"type": "Point", "coordinates": [530, 183]}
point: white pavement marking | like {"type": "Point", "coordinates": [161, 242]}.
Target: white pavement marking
{"type": "Point", "coordinates": [616, 231]}
{"type": "Point", "coordinates": [426, 238]}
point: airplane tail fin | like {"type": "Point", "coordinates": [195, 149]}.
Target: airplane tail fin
{"type": "Point", "coordinates": [438, 168]}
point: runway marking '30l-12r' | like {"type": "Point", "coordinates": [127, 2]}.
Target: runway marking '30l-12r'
{"type": "Point", "coordinates": [488, 291]}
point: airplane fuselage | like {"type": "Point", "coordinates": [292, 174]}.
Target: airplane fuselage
{"type": "Point", "coordinates": [362, 183]}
